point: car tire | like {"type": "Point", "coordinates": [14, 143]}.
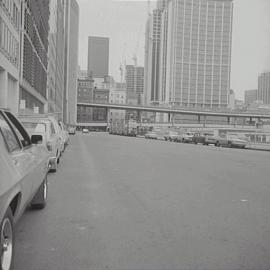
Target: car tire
{"type": "Point", "coordinates": [229, 145]}
{"type": "Point", "coordinates": [217, 144]}
{"type": "Point", "coordinates": [7, 241]}
{"type": "Point", "coordinates": [40, 199]}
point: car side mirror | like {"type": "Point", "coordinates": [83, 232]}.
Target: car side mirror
{"type": "Point", "coordinates": [36, 139]}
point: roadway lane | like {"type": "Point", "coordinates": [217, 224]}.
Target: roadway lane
{"type": "Point", "coordinates": [123, 203]}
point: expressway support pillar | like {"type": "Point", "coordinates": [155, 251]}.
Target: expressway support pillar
{"type": "Point", "coordinates": [172, 118]}
{"type": "Point", "coordinates": [139, 113]}
{"type": "Point", "coordinates": [228, 120]}
{"type": "Point", "coordinates": [169, 117]}
{"type": "Point", "coordinates": [108, 118]}
{"type": "Point", "coordinates": [204, 121]}
{"type": "Point", "coordinates": [234, 121]}
{"type": "Point", "coordinates": [250, 120]}
{"type": "Point", "coordinates": [199, 119]}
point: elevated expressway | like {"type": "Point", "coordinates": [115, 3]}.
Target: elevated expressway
{"type": "Point", "coordinates": [184, 111]}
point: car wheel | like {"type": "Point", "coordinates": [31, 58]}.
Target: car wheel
{"type": "Point", "coordinates": [217, 144]}
{"type": "Point", "coordinates": [229, 145]}
{"type": "Point", "coordinates": [40, 199]}
{"type": "Point", "coordinates": [7, 241]}
{"type": "Point", "coordinates": [54, 169]}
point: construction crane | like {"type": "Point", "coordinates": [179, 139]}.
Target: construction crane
{"type": "Point", "coordinates": [123, 63]}
{"type": "Point", "coordinates": [148, 8]}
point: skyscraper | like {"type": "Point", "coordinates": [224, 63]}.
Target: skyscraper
{"type": "Point", "coordinates": [55, 81]}
{"type": "Point", "coordinates": [98, 57]}
{"type": "Point", "coordinates": [251, 96]}
{"type": "Point", "coordinates": [264, 87]}
{"type": "Point", "coordinates": [71, 61]}
{"type": "Point", "coordinates": [134, 84]}
{"type": "Point", "coordinates": [152, 57]}
{"type": "Point", "coordinates": [195, 52]}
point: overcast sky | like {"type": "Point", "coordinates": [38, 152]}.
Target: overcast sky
{"type": "Point", "coordinates": [124, 23]}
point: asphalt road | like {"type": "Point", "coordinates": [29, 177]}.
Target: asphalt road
{"type": "Point", "coordinates": [133, 204]}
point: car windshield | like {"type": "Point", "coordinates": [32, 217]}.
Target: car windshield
{"type": "Point", "coordinates": [33, 127]}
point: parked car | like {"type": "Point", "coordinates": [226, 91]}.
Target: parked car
{"type": "Point", "coordinates": [186, 137]}
{"type": "Point", "coordinates": [151, 135]}
{"type": "Point", "coordinates": [231, 141]}
{"type": "Point", "coordinates": [72, 130]}
{"type": "Point", "coordinates": [210, 139]}
{"type": "Point", "coordinates": [50, 139]}
{"type": "Point", "coordinates": [85, 130]}
{"type": "Point", "coordinates": [199, 138]}
{"type": "Point", "coordinates": [23, 181]}
{"type": "Point", "coordinates": [170, 136]}
{"type": "Point", "coordinates": [64, 133]}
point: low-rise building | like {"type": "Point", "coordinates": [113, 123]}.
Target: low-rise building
{"type": "Point", "coordinates": [118, 95]}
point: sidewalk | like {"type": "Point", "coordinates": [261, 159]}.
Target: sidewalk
{"type": "Point", "coordinates": [259, 146]}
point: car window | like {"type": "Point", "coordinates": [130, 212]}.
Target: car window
{"type": "Point", "coordinates": [20, 131]}
{"type": "Point", "coordinates": [10, 138]}
{"type": "Point", "coordinates": [35, 127]}
{"type": "Point", "coordinates": [52, 128]}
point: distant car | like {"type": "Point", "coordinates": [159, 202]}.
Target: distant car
{"type": "Point", "coordinates": [64, 133]}
{"type": "Point", "coordinates": [50, 139]}
{"type": "Point", "coordinates": [210, 139]}
{"type": "Point", "coordinates": [72, 130]}
{"type": "Point", "coordinates": [231, 141]}
{"type": "Point", "coordinates": [186, 137]}
{"type": "Point", "coordinates": [151, 135]}
{"type": "Point", "coordinates": [85, 130]}
{"type": "Point", "coordinates": [170, 136]}
{"type": "Point", "coordinates": [199, 138]}
{"type": "Point", "coordinates": [23, 180]}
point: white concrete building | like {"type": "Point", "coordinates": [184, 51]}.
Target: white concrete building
{"type": "Point", "coordinates": [9, 54]}
{"type": "Point", "coordinates": [118, 95]}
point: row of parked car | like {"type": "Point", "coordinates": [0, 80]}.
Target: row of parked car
{"type": "Point", "coordinates": [205, 139]}
{"type": "Point", "coordinates": [30, 147]}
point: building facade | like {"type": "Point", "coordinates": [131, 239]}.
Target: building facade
{"type": "Point", "coordinates": [134, 84]}
{"type": "Point", "coordinates": [264, 87]}
{"type": "Point", "coordinates": [89, 92]}
{"type": "Point", "coordinates": [250, 96]}
{"type": "Point", "coordinates": [98, 57]}
{"type": "Point", "coordinates": [71, 61]}
{"type": "Point", "coordinates": [9, 54]}
{"type": "Point", "coordinates": [118, 95]}
{"type": "Point", "coordinates": [55, 81]}
{"type": "Point", "coordinates": [152, 57]}
{"type": "Point", "coordinates": [195, 60]}
{"type": "Point", "coordinates": [34, 56]}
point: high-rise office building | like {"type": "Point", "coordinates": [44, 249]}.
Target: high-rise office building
{"type": "Point", "coordinates": [152, 57]}
{"type": "Point", "coordinates": [264, 87]}
{"type": "Point", "coordinates": [55, 81]}
{"type": "Point", "coordinates": [195, 61]}
{"type": "Point", "coordinates": [134, 84]}
{"type": "Point", "coordinates": [251, 96]}
{"type": "Point", "coordinates": [34, 50]}
{"type": "Point", "coordinates": [71, 61]}
{"type": "Point", "coordinates": [98, 57]}
{"type": "Point", "coordinates": [9, 54]}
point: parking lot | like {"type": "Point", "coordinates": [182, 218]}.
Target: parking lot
{"type": "Point", "coordinates": [130, 203]}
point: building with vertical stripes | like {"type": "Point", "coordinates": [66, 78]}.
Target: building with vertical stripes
{"type": "Point", "coordinates": [10, 54]}
{"type": "Point", "coordinates": [195, 53]}
{"type": "Point", "coordinates": [264, 87]}
{"type": "Point", "coordinates": [34, 55]}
